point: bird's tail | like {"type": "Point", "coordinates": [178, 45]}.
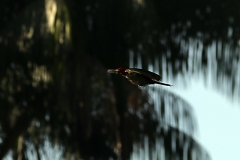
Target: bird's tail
{"type": "Point", "coordinates": [165, 84]}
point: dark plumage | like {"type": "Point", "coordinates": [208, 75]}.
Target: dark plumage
{"type": "Point", "coordinates": [139, 77]}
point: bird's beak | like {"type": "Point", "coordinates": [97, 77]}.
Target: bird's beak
{"type": "Point", "coordinates": [113, 71]}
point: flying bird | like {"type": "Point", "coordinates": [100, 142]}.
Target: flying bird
{"type": "Point", "coordinates": [139, 77]}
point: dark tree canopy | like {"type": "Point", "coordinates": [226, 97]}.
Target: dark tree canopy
{"type": "Point", "coordinates": [54, 88]}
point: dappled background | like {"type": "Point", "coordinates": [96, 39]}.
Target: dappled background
{"type": "Point", "coordinates": [58, 102]}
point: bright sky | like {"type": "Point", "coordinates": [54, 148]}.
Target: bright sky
{"type": "Point", "coordinates": [218, 120]}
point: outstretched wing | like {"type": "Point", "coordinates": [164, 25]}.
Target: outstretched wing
{"type": "Point", "coordinates": [149, 74]}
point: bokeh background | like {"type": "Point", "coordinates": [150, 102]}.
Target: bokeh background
{"type": "Point", "coordinates": [57, 100]}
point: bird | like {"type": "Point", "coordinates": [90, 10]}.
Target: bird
{"type": "Point", "coordinates": [139, 77]}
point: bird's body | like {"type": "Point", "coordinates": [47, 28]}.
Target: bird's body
{"type": "Point", "coordinates": [139, 77]}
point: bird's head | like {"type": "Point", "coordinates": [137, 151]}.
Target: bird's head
{"type": "Point", "coordinates": [120, 71]}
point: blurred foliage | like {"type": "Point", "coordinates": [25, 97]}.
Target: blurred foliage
{"type": "Point", "coordinates": [54, 86]}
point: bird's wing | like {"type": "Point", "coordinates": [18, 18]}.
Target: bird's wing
{"type": "Point", "coordinates": [149, 74]}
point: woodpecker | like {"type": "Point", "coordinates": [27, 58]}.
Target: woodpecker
{"type": "Point", "coordinates": [139, 77]}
